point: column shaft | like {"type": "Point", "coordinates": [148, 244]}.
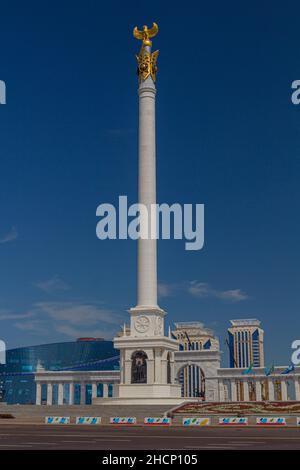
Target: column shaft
{"type": "Point", "coordinates": [233, 390]}
{"type": "Point", "coordinates": [105, 390]}
{"type": "Point", "coordinates": [38, 400]}
{"type": "Point", "coordinates": [71, 393]}
{"type": "Point", "coordinates": [271, 390]}
{"type": "Point", "coordinates": [82, 393]}
{"type": "Point", "coordinates": [258, 395]}
{"type": "Point", "coordinates": [283, 385]}
{"type": "Point", "coordinates": [297, 388]}
{"type": "Point", "coordinates": [246, 390]}
{"type": "Point", "coordinates": [60, 400]}
{"type": "Point", "coordinates": [49, 394]}
{"type": "Point", "coordinates": [147, 270]}
{"type": "Point", "coordinates": [94, 390]}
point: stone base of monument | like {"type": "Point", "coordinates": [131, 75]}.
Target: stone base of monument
{"type": "Point", "coordinates": [143, 394]}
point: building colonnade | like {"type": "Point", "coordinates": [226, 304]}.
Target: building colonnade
{"type": "Point", "coordinates": [259, 388]}
{"type": "Point", "coordinates": [61, 387]}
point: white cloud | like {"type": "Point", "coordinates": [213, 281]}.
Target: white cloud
{"type": "Point", "coordinates": [7, 315]}
{"type": "Point", "coordinates": [9, 236]}
{"type": "Point", "coordinates": [235, 295]}
{"type": "Point", "coordinates": [73, 319]}
{"type": "Point", "coordinates": [165, 290]}
{"type": "Point", "coordinates": [34, 326]}
{"type": "Point", "coordinates": [199, 289]}
{"type": "Point", "coordinates": [203, 289]}
{"type": "Point", "coordinates": [74, 332]}
{"type": "Point", "coordinates": [52, 285]}
{"type": "Point", "coordinates": [77, 313]}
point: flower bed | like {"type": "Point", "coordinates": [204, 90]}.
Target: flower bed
{"type": "Point", "coordinates": [237, 408]}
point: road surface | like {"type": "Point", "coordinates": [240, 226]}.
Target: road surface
{"type": "Point", "coordinates": [39, 437]}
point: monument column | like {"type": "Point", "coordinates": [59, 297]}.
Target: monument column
{"type": "Point", "coordinates": [147, 270]}
{"type": "Point", "coordinates": [144, 345]}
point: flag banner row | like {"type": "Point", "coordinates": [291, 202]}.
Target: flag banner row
{"type": "Point", "coordinates": [271, 421]}
{"type": "Point", "coordinates": [196, 421]}
{"type": "Point", "coordinates": [57, 420]}
{"type": "Point", "coordinates": [157, 421]}
{"type": "Point", "coordinates": [233, 421]}
{"type": "Point", "coordinates": [122, 420]}
{"type": "Point", "coordinates": [165, 421]}
{"type": "Point", "coordinates": [88, 420]}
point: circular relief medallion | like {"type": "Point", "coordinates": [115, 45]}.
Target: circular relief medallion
{"type": "Point", "coordinates": [142, 323]}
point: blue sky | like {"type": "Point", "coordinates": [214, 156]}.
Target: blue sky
{"type": "Point", "coordinates": [228, 136]}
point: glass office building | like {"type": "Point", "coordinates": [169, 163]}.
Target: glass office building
{"type": "Point", "coordinates": [17, 374]}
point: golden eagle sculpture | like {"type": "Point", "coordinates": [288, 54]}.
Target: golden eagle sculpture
{"type": "Point", "coordinates": [146, 34]}
{"type": "Point", "coordinates": [146, 61]}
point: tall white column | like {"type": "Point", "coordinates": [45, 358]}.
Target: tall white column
{"type": "Point", "coordinates": [60, 400]}
{"type": "Point", "coordinates": [246, 390]}
{"type": "Point", "coordinates": [94, 390]}
{"type": "Point", "coordinates": [233, 390]}
{"type": "Point", "coordinates": [297, 388]}
{"type": "Point", "coordinates": [38, 399]}
{"type": "Point", "coordinates": [147, 270]}
{"type": "Point", "coordinates": [284, 395]}
{"type": "Point", "coordinates": [49, 394]}
{"type": "Point", "coordinates": [71, 393]}
{"type": "Point", "coordinates": [271, 390]}
{"type": "Point", "coordinates": [105, 390]}
{"type": "Point", "coordinates": [82, 393]}
{"type": "Point", "coordinates": [258, 396]}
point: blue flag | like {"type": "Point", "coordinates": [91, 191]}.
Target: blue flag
{"type": "Point", "coordinates": [247, 371]}
{"type": "Point", "coordinates": [269, 370]}
{"type": "Point", "coordinates": [289, 369]}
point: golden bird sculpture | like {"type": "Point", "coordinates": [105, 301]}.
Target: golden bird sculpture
{"type": "Point", "coordinates": [146, 61]}
{"type": "Point", "coordinates": [146, 34]}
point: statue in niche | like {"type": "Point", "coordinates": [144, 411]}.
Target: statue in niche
{"type": "Point", "coordinates": [139, 368]}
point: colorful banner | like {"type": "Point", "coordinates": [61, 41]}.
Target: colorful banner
{"type": "Point", "coordinates": [271, 421]}
{"type": "Point", "coordinates": [157, 421]}
{"type": "Point", "coordinates": [196, 421]}
{"type": "Point", "coordinates": [233, 421]}
{"type": "Point", "coordinates": [88, 420]}
{"type": "Point", "coordinates": [119, 420]}
{"type": "Point", "coordinates": [57, 420]}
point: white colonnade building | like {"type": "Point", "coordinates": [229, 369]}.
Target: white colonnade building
{"type": "Point", "coordinates": [195, 368]}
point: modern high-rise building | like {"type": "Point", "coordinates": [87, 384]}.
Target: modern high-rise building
{"type": "Point", "coordinates": [246, 343]}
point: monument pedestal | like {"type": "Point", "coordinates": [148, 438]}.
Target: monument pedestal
{"type": "Point", "coordinates": [146, 361]}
